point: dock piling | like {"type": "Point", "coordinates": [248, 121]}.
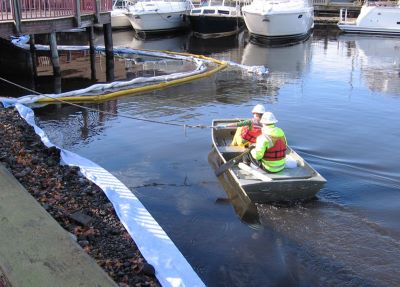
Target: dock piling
{"type": "Point", "coordinates": [108, 42]}
{"type": "Point", "coordinates": [92, 51]}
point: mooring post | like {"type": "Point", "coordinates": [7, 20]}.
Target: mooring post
{"type": "Point", "coordinates": [90, 31]}
{"type": "Point", "coordinates": [55, 59]}
{"type": "Point", "coordinates": [33, 55]}
{"type": "Point", "coordinates": [16, 9]}
{"type": "Point", "coordinates": [97, 8]}
{"type": "Point", "coordinates": [108, 42]}
{"type": "Point", "coordinates": [78, 20]}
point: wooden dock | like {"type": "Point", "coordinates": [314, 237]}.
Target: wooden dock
{"type": "Point", "coordinates": [32, 17]}
{"type": "Point", "coordinates": [47, 16]}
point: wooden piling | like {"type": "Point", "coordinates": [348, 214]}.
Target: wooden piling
{"type": "Point", "coordinates": [33, 55]}
{"type": "Point", "coordinates": [90, 31]}
{"type": "Point", "coordinates": [108, 42]}
{"type": "Point", "coordinates": [78, 20]}
{"type": "Point", "coordinates": [55, 59]}
{"type": "Point", "coordinates": [16, 8]}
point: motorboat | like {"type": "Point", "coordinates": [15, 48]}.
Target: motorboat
{"type": "Point", "coordinates": [118, 18]}
{"type": "Point", "coordinates": [216, 18]}
{"type": "Point", "coordinates": [159, 16]}
{"type": "Point", "coordinates": [296, 182]}
{"type": "Point", "coordinates": [377, 17]}
{"type": "Point", "coordinates": [277, 20]}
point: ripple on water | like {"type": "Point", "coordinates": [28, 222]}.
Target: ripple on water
{"type": "Point", "coordinates": [342, 246]}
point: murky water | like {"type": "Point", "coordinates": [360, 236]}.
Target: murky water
{"type": "Point", "coordinates": [338, 99]}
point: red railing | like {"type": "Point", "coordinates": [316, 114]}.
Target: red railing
{"type": "Point", "coordinates": [39, 9]}
{"type": "Point", "coordinates": [5, 10]}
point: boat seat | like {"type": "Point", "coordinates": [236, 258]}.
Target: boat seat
{"type": "Point", "coordinates": [231, 148]}
{"type": "Point", "coordinates": [287, 173]}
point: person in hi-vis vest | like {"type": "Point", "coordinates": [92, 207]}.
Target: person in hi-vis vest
{"type": "Point", "coordinates": [247, 130]}
{"type": "Point", "coordinates": [269, 151]}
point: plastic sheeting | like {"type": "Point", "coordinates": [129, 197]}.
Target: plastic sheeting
{"type": "Point", "coordinates": [172, 269]}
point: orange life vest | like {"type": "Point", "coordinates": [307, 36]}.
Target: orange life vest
{"type": "Point", "coordinates": [277, 151]}
{"type": "Point", "coordinates": [251, 134]}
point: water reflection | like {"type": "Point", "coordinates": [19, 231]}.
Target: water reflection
{"type": "Point", "coordinates": [287, 62]}
{"type": "Point", "coordinates": [379, 60]}
{"type": "Point", "coordinates": [350, 236]}
{"type": "Point", "coordinates": [129, 39]}
{"type": "Point", "coordinates": [212, 45]}
{"type": "Point", "coordinates": [70, 124]}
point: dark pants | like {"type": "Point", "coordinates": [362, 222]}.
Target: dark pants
{"type": "Point", "coordinates": [248, 158]}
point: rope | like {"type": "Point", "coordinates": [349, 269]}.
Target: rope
{"type": "Point", "coordinates": [19, 86]}
{"type": "Point", "coordinates": [185, 126]}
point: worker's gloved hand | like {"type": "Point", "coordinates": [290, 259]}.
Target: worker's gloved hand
{"type": "Point", "coordinates": [220, 127]}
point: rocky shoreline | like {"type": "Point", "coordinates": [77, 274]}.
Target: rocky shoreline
{"type": "Point", "coordinates": [77, 204]}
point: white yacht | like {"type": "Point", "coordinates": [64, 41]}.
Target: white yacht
{"type": "Point", "coordinates": [379, 17]}
{"type": "Point", "coordinates": [279, 19]}
{"type": "Point", "coordinates": [118, 18]}
{"type": "Point", "coordinates": [159, 16]}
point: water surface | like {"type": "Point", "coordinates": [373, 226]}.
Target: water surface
{"type": "Point", "coordinates": [338, 99]}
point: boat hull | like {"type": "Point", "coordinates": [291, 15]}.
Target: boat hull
{"type": "Point", "coordinates": [158, 22]}
{"type": "Point", "coordinates": [292, 25]}
{"type": "Point", "coordinates": [120, 21]}
{"type": "Point", "coordinates": [295, 190]}
{"type": "Point", "coordinates": [374, 19]}
{"type": "Point", "coordinates": [291, 184]}
{"type": "Point", "coordinates": [205, 26]}
{"type": "Point", "coordinates": [353, 28]}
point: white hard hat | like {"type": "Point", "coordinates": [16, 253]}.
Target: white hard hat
{"type": "Point", "coordinates": [259, 109]}
{"type": "Point", "coordinates": [268, 118]}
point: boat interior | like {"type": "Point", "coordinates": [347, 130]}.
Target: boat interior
{"type": "Point", "coordinates": [222, 141]}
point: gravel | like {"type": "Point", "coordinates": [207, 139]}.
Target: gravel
{"type": "Point", "coordinates": [77, 204]}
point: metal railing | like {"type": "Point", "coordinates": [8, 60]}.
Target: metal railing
{"type": "Point", "coordinates": [40, 9]}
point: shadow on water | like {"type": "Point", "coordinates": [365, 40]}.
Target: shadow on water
{"type": "Point", "coordinates": [244, 208]}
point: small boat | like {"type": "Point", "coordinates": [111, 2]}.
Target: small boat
{"type": "Point", "coordinates": [379, 17]}
{"type": "Point", "coordinates": [294, 183]}
{"type": "Point", "coordinates": [118, 18]}
{"type": "Point", "coordinates": [216, 19]}
{"type": "Point", "coordinates": [157, 16]}
{"type": "Point", "coordinates": [279, 20]}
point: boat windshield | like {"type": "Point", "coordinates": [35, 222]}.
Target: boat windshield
{"type": "Point", "coordinates": [279, 2]}
{"type": "Point", "coordinates": [383, 3]}
{"type": "Point", "coordinates": [218, 3]}
{"type": "Point", "coordinates": [122, 4]}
